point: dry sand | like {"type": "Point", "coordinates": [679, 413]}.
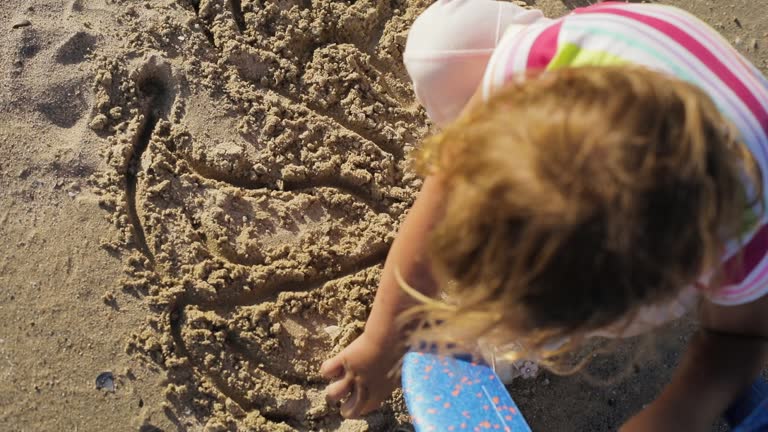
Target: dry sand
{"type": "Point", "coordinates": [198, 195]}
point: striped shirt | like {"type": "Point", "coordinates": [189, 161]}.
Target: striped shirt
{"type": "Point", "coordinates": [672, 41]}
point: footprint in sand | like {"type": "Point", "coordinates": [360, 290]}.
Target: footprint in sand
{"type": "Point", "coordinates": [75, 48]}
{"type": "Point", "coordinates": [62, 98]}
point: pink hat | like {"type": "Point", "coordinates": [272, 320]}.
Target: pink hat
{"type": "Point", "coordinates": [449, 46]}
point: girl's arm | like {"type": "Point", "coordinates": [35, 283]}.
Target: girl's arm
{"type": "Point", "coordinates": [361, 370]}
{"type": "Point", "coordinates": [408, 255]}
{"type": "Point", "coordinates": [721, 362]}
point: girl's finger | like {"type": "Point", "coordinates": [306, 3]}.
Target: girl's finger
{"type": "Point", "coordinates": [355, 404]}
{"type": "Point", "coordinates": [340, 389]}
{"type": "Point", "coordinates": [332, 369]}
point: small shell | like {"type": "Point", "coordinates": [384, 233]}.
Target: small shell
{"type": "Point", "coordinates": [105, 381]}
{"type": "Point", "coordinates": [22, 23]}
{"type": "Point", "coordinates": [333, 331]}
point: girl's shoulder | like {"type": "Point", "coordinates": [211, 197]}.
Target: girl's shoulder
{"type": "Point", "coordinates": [605, 34]}
{"type": "Point", "coordinates": [659, 37]}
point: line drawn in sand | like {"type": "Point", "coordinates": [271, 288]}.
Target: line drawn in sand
{"type": "Point", "coordinates": [216, 328]}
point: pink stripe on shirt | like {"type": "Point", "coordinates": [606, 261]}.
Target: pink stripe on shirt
{"type": "Point", "coordinates": [544, 48]}
{"type": "Point", "coordinates": [704, 55]}
{"type": "Point", "coordinates": [739, 266]}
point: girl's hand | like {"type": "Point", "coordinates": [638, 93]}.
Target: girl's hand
{"type": "Point", "coordinates": [363, 375]}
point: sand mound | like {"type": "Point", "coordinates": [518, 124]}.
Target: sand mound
{"type": "Point", "coordinates": [258, 175]}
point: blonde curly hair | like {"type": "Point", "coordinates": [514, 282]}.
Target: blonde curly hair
{"type": "Point", "coordinates": [573, 198]}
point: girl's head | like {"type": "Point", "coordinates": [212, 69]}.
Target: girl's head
{"type": "Point", "coordinates": [577, 196]}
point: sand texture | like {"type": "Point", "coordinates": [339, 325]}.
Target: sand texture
{"type": "Point", "coordinates": [257, 171]}
{"type": "Point", "coordinates": [198, 196]}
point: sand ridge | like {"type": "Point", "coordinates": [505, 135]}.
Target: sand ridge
{"type": "Point", "coordinates": [258, 174]}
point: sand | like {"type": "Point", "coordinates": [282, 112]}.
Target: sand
{"type": "Point", "coordinates": [198, 196]}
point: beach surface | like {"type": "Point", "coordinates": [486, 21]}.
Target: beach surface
{"type": "Point", "coordinates": [197, 197]}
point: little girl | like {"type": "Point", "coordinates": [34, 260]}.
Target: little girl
{"type": "Point", "coordinates": [597, 174]}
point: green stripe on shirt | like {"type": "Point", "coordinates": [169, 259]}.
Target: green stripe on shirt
{"type": "Point", "coordinates": [572, 55]}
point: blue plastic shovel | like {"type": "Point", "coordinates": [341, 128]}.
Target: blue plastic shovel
{"type": "Point", "coordinates": [446, 394]}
